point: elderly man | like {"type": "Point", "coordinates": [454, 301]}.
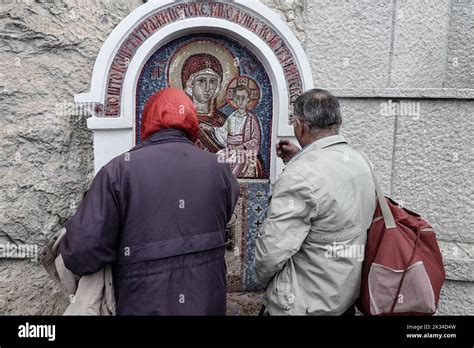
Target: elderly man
{"type": "Point", "coordinates": [158, 213]}
{"type": "Point", "coordinates": [310, 250]}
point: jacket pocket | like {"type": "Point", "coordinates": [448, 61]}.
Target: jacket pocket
{"type": "Point", "coordinates": [283, 297]}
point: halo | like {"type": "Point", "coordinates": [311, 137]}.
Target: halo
{"type": "Point", "coordinates": [228, 63]}
{"type": "Point", "coordinates": [248, 82]}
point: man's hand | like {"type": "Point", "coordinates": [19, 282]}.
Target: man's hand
{"type": "Point", "coordinates": [286, 150]}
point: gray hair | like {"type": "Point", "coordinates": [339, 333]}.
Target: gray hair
{"type": "Point", "coordinates": [319, 109]}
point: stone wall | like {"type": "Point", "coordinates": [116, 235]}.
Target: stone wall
{"type": "Point", "coordinates": [373, 54]}
{"type": "Point", "coordinates": [47, 52]}
{"type": "Point", "coordinates": [417, 56]}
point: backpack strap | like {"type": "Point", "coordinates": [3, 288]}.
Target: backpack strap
{"type": "Point", "coordinates": [386, 212]}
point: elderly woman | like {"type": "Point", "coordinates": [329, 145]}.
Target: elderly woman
{"type": "Point", "coordinates": [158, 214]}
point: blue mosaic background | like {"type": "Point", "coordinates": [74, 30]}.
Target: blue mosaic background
{"type": "Point", "coordinates": [154, 78]}
{"type": "Point", "coordinates": [257, 206]}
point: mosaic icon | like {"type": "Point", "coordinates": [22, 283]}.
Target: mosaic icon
{"type": "Point", "coordinates": [233, 96]}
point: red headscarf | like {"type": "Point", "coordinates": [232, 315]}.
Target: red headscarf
{"type": "Point", "coordinates": [170, 108]}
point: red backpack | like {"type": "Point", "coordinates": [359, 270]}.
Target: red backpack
{"type": "Point", "coordinates": [402, 272]}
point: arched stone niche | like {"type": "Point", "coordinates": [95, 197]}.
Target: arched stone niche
{"type": "Point", "coordinates": [259, 68]}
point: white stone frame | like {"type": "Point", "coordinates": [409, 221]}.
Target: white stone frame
{"type": "Point", "coordinates": [116, 135]}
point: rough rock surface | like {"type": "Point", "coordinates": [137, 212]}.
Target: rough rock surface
{"type": "Point", "coordinates": [47, 51]}
{"type": "Point", "coordinates": [291, 12]}
{"type": "Point", "coordinates": [26, 289]}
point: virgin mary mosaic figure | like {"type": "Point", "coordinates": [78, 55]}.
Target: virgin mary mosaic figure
{"type": "Point", "coordinates": [202, 68]}
{"type": "Point", "coordinates": [201, 77]}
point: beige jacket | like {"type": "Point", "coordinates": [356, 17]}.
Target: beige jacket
{"type": "Point", "coordinates": [310, 250]}
{"type": "Point", "coordinates": [89, 295]}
